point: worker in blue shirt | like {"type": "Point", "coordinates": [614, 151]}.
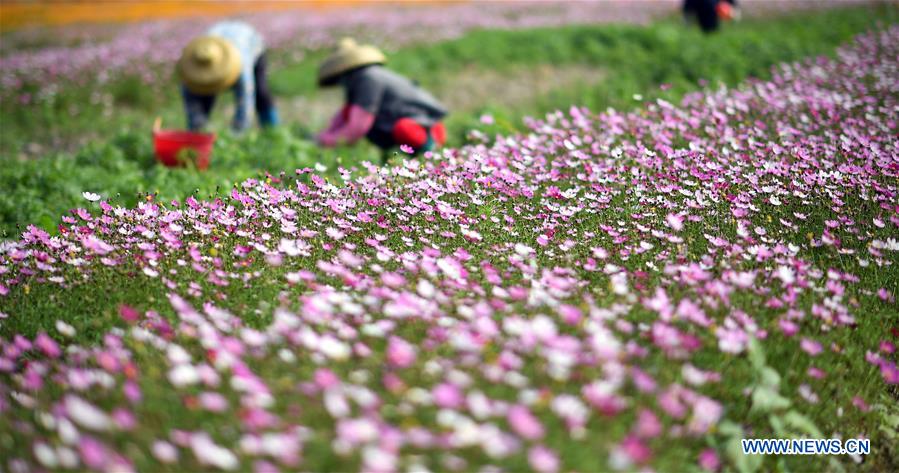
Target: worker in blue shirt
{"type": "Point", "coordinates": [230, 56]}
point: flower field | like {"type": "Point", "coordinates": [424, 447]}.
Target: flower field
{"type": "Point", "coordinates": [605, 291]}
{"type": "Point", "coordinates": [80, 53]}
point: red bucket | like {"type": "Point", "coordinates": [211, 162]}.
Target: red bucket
{"type": "Point", "coordinates": [179, 148]}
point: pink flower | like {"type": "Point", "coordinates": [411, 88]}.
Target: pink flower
{"type": "Point", "coordinates": [811, 347]}
{"type": "Point", "coordinates": [708, 460]}
{"type": "Point", "coordinates": [706, 413]}
{"type": "Point", "coordinates": [732, 340]}
{"type": "Point", "coordinates": [890, 372]}
{"type": "Point", "coordinates": [262, 466]}
{"type": "Point", "coordinates": [96, 245]}
{"type": "Point", "coordinates": [123, 419]}
{"type": "Point", "coordinates": [648, 425]}
{"type": "Point", "coordinates": [132, 391]}
{"type": "Point", "coordinates": [524, 423]}
{"type": "Point", "coordinates": [400, 353]}
{"type": "Point", "coordinates": [447, 395]}
{"type": "Point", "coordinates": [357, 431]}
{"type": "Point", "coordinates": [325, 378]}
{"type": "Point", "coordinates": [392, 382]}
{"type": "Point", "coordinates": [46, 344]}
{"type": "Point", "coordinates": [675, 221]}
{"type": "Point", "coordinates": [407, 149]}
{"type": "Point", "coordinates": [393, 280]}
{"type": "Point", "coordinates": [213, 402]}
{"type": "Point", "coordinates": [164, 451]}
{"type": "Point", "coordinates": [635, 450]}
{"type": "Point", "coordinates": [788, 327]}
{"type": "Point", "coordinates": [670, 402]}
{"type": "Point", "coordinates": [93, 453]}
{"type": "Point", "coordinates": [815, 372]}
{"type": "Point", "coordinates": [543, 459]}
{"type": "Point", "coordinates": [128, 313]}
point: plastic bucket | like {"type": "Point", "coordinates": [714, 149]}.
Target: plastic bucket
{"type": "Point", "coordinates": [181, 148]}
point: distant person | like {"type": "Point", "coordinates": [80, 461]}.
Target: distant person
{"type": "Point", "coordinates": [381, 105]}
{"type": "Point", "coordinates": [231, 55]}
{"type": "Point", "coordinates": [710, 13]}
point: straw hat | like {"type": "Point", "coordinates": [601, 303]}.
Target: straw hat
{"type": "Point", "coordinates": [348, 56]}
{"type": "Point", "coordinates": [209, 65]}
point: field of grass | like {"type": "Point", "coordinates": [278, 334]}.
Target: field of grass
{"type": "Point", "coordinates": [664, 60]}
{"type": "Point", "coordinates": [664, 267]}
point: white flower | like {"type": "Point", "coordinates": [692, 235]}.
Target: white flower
{"type": "Point", "coordinates": [91, 196]}
{"type": "Point", "coordinates": [164, 451]}
{"type": "Point", "coordinates": [335, 349]}
{"type": "Point", "coordinates": [45, 455]}
{"type": "Point", "coordinates": [375, 459]}
{"type": "Point", "coordinates": [786, 275]}
{"type": "Point", "coordinates": [184, 375]}
{"type": "Point", "coordinates": [450, 267]}
{"type": "Point", "coordinates": [177, 355]}
{"type": "Point", "coordinates": [426, 289]}
{"type": "Point", "coordinates": [619, 284]}
{"type": "Point", "coordinates": [523, 250]}
{"type": "Point", "coordinates": [86, 414]}
{"type": "Point", "coordinates": [65, 329]}
{"type": "Point", "coordinates": [209, 453]}
{"type": "Point", "coordinates": [336, 404]}
{"type": "Point", "coordinates": [67, 432]}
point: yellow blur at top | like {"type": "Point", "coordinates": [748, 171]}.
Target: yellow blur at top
{"type": "Point", "coordinates": [20, 13]}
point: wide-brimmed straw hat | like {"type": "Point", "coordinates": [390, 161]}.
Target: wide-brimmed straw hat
{"type": "Point", "coordinates": [209, 65]}
{"type": "Point", "coordinates": [347, 56]}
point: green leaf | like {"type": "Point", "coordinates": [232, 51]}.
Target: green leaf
{"type": "Point", "coordinates": [769, 378]}
{"type": "Point", "coordinates": [730, 429]}
{"type": "Point", "coordinates": [744, 463]}
{"type": "Point", "coordinates": [802, 423]}
{"type": "Point", "coordinates": [765, 399]}
{"type": "Point", "coordinates": [778, 426]}
{"type": "Point", "coordinates": [756, 354]}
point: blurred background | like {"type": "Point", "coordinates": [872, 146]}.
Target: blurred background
{"type": "Point", "coordinates": [81, 82]}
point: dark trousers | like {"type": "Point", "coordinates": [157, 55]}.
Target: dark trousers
{"type": "Point", "coordinates": [265, 105]}
{"type": "Point", "coordinates": [705, 12]}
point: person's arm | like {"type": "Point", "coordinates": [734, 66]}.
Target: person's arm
{"type": "Point", "coordinates": [364, 93]}
{"type": "Point", "coordinates": [197, 115]}
{"type": "Point", "coordinates": [244, 95]}
{"type": "Point", "coordinates": [349, 126]}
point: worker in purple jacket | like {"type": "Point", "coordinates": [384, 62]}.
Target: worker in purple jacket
{"type": "Point", "coordinates": [381, 105]}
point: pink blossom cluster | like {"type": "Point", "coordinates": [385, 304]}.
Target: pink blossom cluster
{"type": "Point", "coordinates": [599, 284]}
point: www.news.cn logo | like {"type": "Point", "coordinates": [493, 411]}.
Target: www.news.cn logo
{"type": "Point", "coordinates": [806, 446]}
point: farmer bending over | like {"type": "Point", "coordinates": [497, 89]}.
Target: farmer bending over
{"type": "Point", "coordinates": [230, 56]}
{"type": "Point", "coordinates": [381, 105]}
